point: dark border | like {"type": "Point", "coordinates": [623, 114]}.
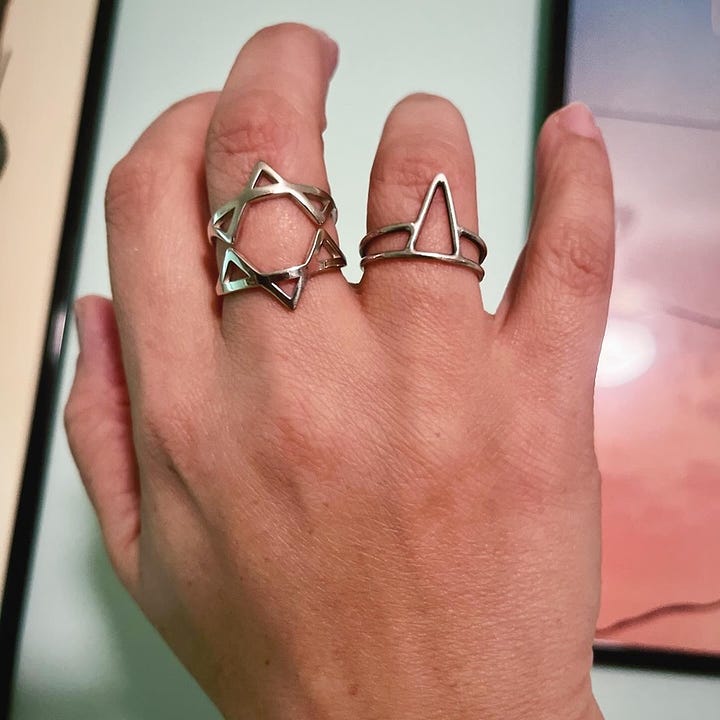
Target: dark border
{"type": "Point", "coordinates": [552, 94]}
{"type": "Point", "coordinates": [654, 659]}
{"type": "Point", "coordinates": [26, 519]}
{"type": "Point", "coordinates": [551, 58]}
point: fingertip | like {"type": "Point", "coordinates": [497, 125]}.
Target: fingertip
{"type": "Point", "coordinates": [99, 360]}
{"type": "Point", "coordinates": [331, 51]}
{"type": "Point", "coordinates": [99, 372]}
{"type": "Point", "coordinates": [91, 315]}
{"type": "Point", "coordinates": [85, 314]}
{"type": "Point", "coordinates": [297, 34]}
{"type": "Point", "coordinates": [572, 126]}
{"type": "Point", "coordinates": [99, 431]}
{"type": "Point", "coordinates": [577, 119]}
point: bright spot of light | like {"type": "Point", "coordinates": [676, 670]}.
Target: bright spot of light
{"type": "Point", "coordinates": [628, 351]}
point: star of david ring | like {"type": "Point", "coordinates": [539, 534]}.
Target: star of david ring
{"type": "Point", "coordinates": [413, 229]}
{"type": "Point", "coordinates": [237, 273]}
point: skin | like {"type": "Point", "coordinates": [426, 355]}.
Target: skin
{"type": "Point", "coordinates": [386, 503]}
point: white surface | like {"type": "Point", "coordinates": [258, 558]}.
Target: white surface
{"type": "Point", "coordinates": [87, 654]}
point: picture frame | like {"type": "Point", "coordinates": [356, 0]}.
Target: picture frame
{"type": "Point", "coordinates": [45, 403]}
{"type": "Point", "coordinates": [648, 109]}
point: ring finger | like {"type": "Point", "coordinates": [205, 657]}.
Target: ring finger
{"type": "Point", "coordinates": [424, 135]}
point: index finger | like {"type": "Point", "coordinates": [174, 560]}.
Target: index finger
{"type": "Point", "coordinates": [156, 208]}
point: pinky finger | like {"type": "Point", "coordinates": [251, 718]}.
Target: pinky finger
{"type": "Point", "coordinates": [99, 429]}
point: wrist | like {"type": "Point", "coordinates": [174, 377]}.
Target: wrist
{"type": "Point", "coordinates": [400, 703]}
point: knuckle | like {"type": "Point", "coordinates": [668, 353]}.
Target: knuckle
{"type": "Point", "coordinates": [408, 169]}
{"type": "Point", "coordinates": [437, 432]}
{"type": "Point", "coordinates": [411, 156]}
{"type": "Point", "coordinates": [262, 125]}
{"type": "Point", "coordinates": [578, 240]}
{"type": "Point", "coordinates": [295, 425]}
{"type": "Point", "coordinates": [169, 435]}
{"type": "Point", "coordinates": [580, 256]}
{"type": "Point", "coordinates": [133, 187]}
{"type": "Point", "coordinates": [304, 436]}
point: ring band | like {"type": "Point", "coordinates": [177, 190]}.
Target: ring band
{"type": "Point", "coordinates": [236, 273]}
{"type": "Point", "coordinates": [413, 228]}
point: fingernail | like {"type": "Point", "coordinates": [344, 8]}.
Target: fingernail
{"type": "Point", "coordinates": [578, 119]}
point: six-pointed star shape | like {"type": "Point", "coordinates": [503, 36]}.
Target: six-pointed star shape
{"type": "Point", "coordinates": [237, 273]}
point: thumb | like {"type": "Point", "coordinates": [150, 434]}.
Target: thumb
{"type": "Point", "coordinates": [97, 420]}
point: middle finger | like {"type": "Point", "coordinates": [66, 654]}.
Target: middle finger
{"type": "Point", "coordinates": [424, 135]}
{"type": "Point", "coordinates": [272, 109]}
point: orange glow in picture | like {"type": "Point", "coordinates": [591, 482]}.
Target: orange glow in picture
{"type": "Point", "coordinates": [657, 96]}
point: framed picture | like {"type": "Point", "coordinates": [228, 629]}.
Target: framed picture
{"type": "Point", "coordinates": [4, 58]}
{"type": "Point", "coordinates": [651, 73]}
{"type": "Point", "coordinates": [49, 97]}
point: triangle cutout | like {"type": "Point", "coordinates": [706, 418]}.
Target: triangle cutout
{"type": "Point", "coordinates": [263, 174]}
{"type": "Point", "coordinates": [235, 275]}
{"type": "Point", "coordinates": [224, 223]}
{"type": "Point", "coordinates": [286, 291]}
{"type": "Point", "coordinates": [234, 272]}
{"type": "Point", "coordinates": [327, 252]}
{"type": "Point", "coordinates": [264, 178]}
{"type": "Point", "coordinates": [288, 287]}
{"type": "Point", "coordinates": [442, 234]}
{"type": "Point", "coordinates": [323, 253]}
{"type": "Point", "coordinates": [321, 206]}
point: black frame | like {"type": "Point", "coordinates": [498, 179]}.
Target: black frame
{"type": "Point", "coordinates": [552, 94]}
{"type": "Point", "coordinates": [21, 549]}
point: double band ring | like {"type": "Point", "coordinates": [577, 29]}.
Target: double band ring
{"type": "Point", "coordinates": [414, 228]}
{"type": "Point", "coordinates": [237, 273]}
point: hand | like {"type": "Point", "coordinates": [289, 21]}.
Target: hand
{"type": "Point", "coordinates": [386, 503]}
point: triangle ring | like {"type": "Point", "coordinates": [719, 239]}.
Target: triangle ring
{"type": "Point", "coordinates": [414, 228]}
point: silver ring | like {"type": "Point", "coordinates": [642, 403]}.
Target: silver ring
{"type": "Point", "coordinates": [457, 233]}
{"type": "Point", "coordinates": [236, 273]}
